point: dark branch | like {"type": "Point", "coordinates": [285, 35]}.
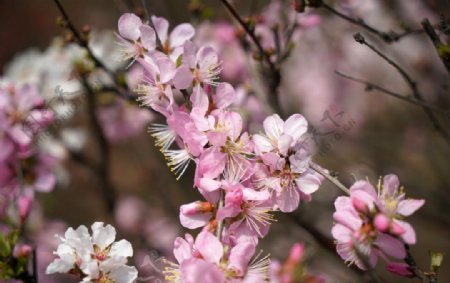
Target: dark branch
{"type": "Point", "coordinates": [371, 86]}
{"type": "Point", "coordinates": [442, 50]}
{"type": "Point", "coordinates": [411, 83]}
{"type": "Point", "coordinates": [387, 37]}
{"type": "Point", "coordinates": [273, 74]}
{"type": "Point", "coordinates": [106, 187]}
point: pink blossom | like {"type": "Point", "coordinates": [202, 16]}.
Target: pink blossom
{"type": "Point", "coordinates": [134, 37]}
{"type": "Point", "coordinates": [200, 67]}
{"type": "Point", "coordinates": [173, 42]}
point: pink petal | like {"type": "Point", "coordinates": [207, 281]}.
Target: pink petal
{"type": "Point", "coordinates": [409, 206]}
{"type": "Point", "coordinates": [45, 181]}
{"type": "Point", "coordinates": [183, 77]}
{"type": "Point", "coordinates": [341, 233]}
{"type": "Point", "coordinates": [197, 270]}
{"type": "Point", "coordinates": [366, 187]}
{"type": "Point", "coordinates": [347, 218]}
{"type": "Point", "coordinates": [240, 256]}
{"type": "Point", "coordinates": [209, 247]}
{"type": "Point", "coordinates": [391, 183]}
{"type": "Point", "coordinates": [207, 57]}
{"type": "Point", "coordinates": [284, 142]}
{"type": "Point", "coordinates": [129, 26]}
{"type": "Point", "coordinates": [295, 126]}
{"type": "Point", "coordinates": [181, 34]}
{"type": "Point", "coordinates": [224, 95]}
{"type": "Point", "coordinates": [391, 246]}
{"type": "Point", "coordinates": [288, 199]}
{"type": "Point", "coordinates": [199, 99]}
{"type": "Point", "coordinates": [262, 144]}
{"type": "Point", "coordinates": [148, 37]}
{"type": "Point", "coordinates": [273, 126]}
{"type": "Point", "coordinates": [182, 250]}
{"type": "Point", "coordinates": [309, 182]}
{"type": "Point", "coordinates": [167, 69]}
{"type": "Point", "coordinates": [409, 236]}
{"type": "Point", "coordinates": [162, 28]}
{"type": "Point", "coordinates": [194, 221]}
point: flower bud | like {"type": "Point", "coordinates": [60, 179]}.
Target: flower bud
{"type": "Point", "coordinates": [24, 204]}
{"type": "Point", "coordinates": [396, 229]}
{"type": "Point", "coordinates": [22, 250]}
{"type": "Point", "coordinates": [381, 222]}
{"type": "Point", "coordinates": [400, 268]}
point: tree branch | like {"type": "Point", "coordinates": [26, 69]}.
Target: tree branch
{"type": "Point", "coordinates": [107, 189]}
{"type": "Point", "coordinates": [371, 86]}
{"type": "Point", "coordinates": [330, 178]}
{"type": "Point", "coordinates": [442, 50]}
{"type": "Point", "coordinates": [411, 83]}
{"type": "Point", "coordinates": [388, 37]}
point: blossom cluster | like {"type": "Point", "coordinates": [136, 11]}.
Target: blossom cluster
{"type": "Point", "coordinates": [24, 169]}
{"type": "Point", "coordinates": [243, 178]}
{"type": "Point", "coordinates": [370, 223]}
{"type": "Point", "coordinates": [94, 258]}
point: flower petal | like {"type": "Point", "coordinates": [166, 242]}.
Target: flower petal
{"type": "Point", "coordinates": [129, 26]}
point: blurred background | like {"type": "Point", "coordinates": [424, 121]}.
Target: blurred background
{"type": "Point", "coordinates": [359, 133]}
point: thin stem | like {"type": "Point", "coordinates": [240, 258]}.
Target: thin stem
{"type": "Point", "coordinates": [250, 32]}
{"type": "Point", "coordinates": [35, 266]}
{"type": "Point", "coordinates": [330, 178]}
{"type": "Point", "coordinates": [104, 149]}
{"type": "Point", "coordinates": [371, 86]}
{"type": "Point", "coordinates": [388, 37]}
{"type": "Point", "coordinates": [441, 49]}
{"type": "Point", "coordinates": [220, 223]}
{"type": "Point", "coordinates": [413, 265]}
{"type": "Point", "coordinates": [411, 83]}
{"type": "Point", "coordinates": [81, 41]}
{"type": "Point", "coordinates": [273, 74]}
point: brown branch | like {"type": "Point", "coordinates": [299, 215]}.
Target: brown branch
{"type": "Point", "coordinates": [411, 83]}
{"type": "Point", "coordinates": [330, 178]}
{"type": "Point", "coordinates": [442, 50]}
{"type": "Point", "coordinates": [106, 187]}
{"type": "Point", "coordinates": [388, 37]}
{"type": "Point", "coordinates": [371, 86]}
{"type": "Point", "coordinates": [273, 74]}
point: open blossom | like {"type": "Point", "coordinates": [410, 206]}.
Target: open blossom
{"type": "Point", "coordinates": [134, 37]}
{"type": "Point", "coordinates": [156, 91]}
{"type": "Point", "coordinates": [282, 149]}
{"type": "Point", "coordinates": [94, 258]}
{"type": "Point", "coordinates": [172, 43]}
{"type": "Point", "coordinates": [24, 114]}
{"type": "Point", "coordinates": [207, 260]}
{"type": "Point", "coordinates": [368, 223]}
{"type": "Point", "coordinates": [201, 67]}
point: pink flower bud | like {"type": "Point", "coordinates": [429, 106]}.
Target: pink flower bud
{"type": "Point", "coordinates": [24, 204]}
{"type": "Point", "coordinates": [399, 268]}
{"type": "Point", "coordinates": [381, 222]}
{"type": "Point", "coordinates": [396, 229]}
{"type": "Point", "coordinates": [296, 252]}
{"type": "Point", "coordinates": [22, 250]}
{"type": "Point", "coordinates": [359, 204]}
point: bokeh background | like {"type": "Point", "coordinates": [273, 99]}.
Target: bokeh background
{"type": "Point", "coordinates": [385, 135]}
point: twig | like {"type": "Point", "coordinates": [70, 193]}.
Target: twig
{"type": "Point", "coordinates": [387, 37]}
{"type": "Point", "coordinates": [371, 86]}
{"type": "Point", "coordinates": [442, 50]}
{"type": "Point", "coordinates": [81, 41]}
{"type": "Point", "coordinates": [220, 223]}
{"type": "Point", "coordinates": [330, 178]}
{"type": "Point", "coordinates": [250, 32]}
{"type": "Point", "coordinates": [413, 265]}
{"type": "Point", "coordinates": [411, 83]}
{"type": "Point", "coordinates": [274, 74]}
{"type": "Point", "coordinates": [35, 267]}
{"type": "Point", "coordinates": [107, 189]}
